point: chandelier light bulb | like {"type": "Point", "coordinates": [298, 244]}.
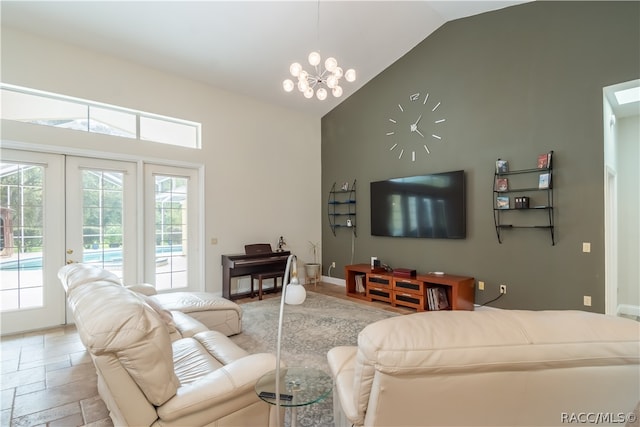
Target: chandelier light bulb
{"type": "Point", "coordinates": [321, 94]}
{"type": "Point", "coordinates": [295, 69]}
{"type": "Point", "coordinates": [332, 81]}
{"type": "Point", "coordinates": [338, 72]}
{"type": "Point", "coordinates": [337, 91]}
{"type": "Point", "coordinates": [314, 58]}
{"type": "Point", "coordinates": [288, 85]}
{"type": "Point", "coordinates": [350, 75]}
{"type": "Point", "coordinates": [330, 64]}
{"type": "Point", "coordinates": [308, 93]}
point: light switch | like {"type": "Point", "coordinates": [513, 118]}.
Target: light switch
{"type": "Point", "coordinates": [586, 247]}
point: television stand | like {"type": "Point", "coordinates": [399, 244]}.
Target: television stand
{"type": "Point", "coordinates": [424, 292]}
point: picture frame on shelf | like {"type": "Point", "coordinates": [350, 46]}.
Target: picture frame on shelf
{"type": "Point", "coordinates": [502, 166]}
{"type": "Point", "coordinates": [544, 161]}
{"type": "Point", "coordinates": [502, 184]}
{"type": "Point", "coordinates": [502, 202]}
{"type": "Point", "coordinates": [544, 181]}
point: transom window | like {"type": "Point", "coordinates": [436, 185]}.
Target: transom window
{"type": "Point", "coordinates": [49, 109]}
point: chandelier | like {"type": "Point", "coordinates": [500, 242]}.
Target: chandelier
{"type": "Point", "coordinates": [320, 80]}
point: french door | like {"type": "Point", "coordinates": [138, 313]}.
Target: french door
{"type": "Point", "coordinates": [32, 249]}
{"type": "Point", "coordinates": [101, 215]}
{"type": "Point", "coordinates": [47, 221]}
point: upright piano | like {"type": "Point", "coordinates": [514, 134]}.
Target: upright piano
{"type": "Point", "coordinates": [237, 265]}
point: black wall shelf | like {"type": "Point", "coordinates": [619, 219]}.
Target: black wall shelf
{"type": "Point", "coordinates": [342, 207]}
{"type": "Point", "coordinates": [509, 208]}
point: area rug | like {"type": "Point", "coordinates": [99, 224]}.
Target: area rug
{"type": "Point", "coordinates": [310, 330]}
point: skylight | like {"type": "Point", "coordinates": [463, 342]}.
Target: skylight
{"type": "Point", "coordinates": [628, 96]}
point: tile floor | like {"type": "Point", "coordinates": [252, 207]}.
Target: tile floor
{"type": "Point", "coordinates": [47, 378]}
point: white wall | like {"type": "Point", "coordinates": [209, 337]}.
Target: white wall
{"type": "Point", "coordinates": [261, 163]}
{"type": "Point", "coordinates": [628, 159]}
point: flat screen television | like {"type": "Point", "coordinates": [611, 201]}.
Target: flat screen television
{"type": "Point", "coordinates": [425, 206]}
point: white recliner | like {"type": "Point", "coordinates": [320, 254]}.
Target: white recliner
{"type": "Point", "coordinates": [161, 368]}
{"type": "Point", "coordinates": [489, 368]}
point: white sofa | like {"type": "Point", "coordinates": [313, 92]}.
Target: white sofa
{"type": "Point", "coordinates": [162, 368]}
{"type": "Point", "coordinates": [489, 368]}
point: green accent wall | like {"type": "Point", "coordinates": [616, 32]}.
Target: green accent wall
{"type": "Point", "coordinates": [513, 84]}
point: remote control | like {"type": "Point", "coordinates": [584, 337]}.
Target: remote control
{"type": "Point", "coordinates": [270, 395]}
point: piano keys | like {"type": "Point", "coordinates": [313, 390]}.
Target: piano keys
{"type": "Point", "coordinates": [237, 265]}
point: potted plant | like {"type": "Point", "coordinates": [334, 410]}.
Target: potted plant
{"type": "Point", "coordinates": [312, 269]}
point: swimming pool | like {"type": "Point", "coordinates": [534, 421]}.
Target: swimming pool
{"type": "Point", "coordinates": [106, 257]}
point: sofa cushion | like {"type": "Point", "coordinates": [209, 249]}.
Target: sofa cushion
{"type": "Point", "coordinates": [73, 275]}
{"type": "Point", "coordinates": [493, 340]}
{"type": "Point", "coordinates": [186, 325]}
{"type": "Point", "coordinates": [120, 322]}
{"type": "Point", "coordinates": [213, 311]}
{"type": "Point", "coordinates": [192, 361]}
{"type": "Point", "coordinates": [165, 315]}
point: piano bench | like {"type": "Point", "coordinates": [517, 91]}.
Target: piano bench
{"type": "Point", "coordinates": [264, 276]}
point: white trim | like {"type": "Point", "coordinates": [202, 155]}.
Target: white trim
{"type": "Point", "coordinates": [54, 149]}
{"type": "Point", "coordinates": [333, 280]}
{"type": "Point", "coordinates": [611, 240]}
{"type": "Point", "coordinates": [629, 310]}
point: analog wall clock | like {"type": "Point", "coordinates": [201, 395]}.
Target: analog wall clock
{"type": "Point", "coordinates": [414, 125]}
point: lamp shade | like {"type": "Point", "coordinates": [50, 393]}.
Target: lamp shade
{"type": "Point", "coordinates": [295, 294]}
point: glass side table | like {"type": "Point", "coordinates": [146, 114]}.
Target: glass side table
{"type": "Point", "coordinates": [299, 386]}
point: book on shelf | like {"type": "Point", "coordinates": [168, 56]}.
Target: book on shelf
{"type": "Point", "coordinates": [544, 161]}
{"type": "Point", "coordinates": [437, 299]}
{"type": "Point", "coordinates": [502, 184]}
{"type": "Point", "coordinates": [430, 298]}
{"type": "Point", "coordinates": [360, 283]}
{"type": "Point", "coordinates": [502, 202]}
{"type": "Point", "coordinates": [502, 166]}
{"type": "Point", "coordinates": [443, 299]}
{"type": "Point", "coordinates": [544, 181]}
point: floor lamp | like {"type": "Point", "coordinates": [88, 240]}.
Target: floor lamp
{"type": "Point", "coordinates": [293, 293]}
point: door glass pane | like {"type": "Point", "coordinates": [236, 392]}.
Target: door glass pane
{"type": "Point", "coordinates": [21, 225]}
{"type": "Point", "coordinates": [102, 221]}
{"type": "Point", "coordinates": [171, 231]}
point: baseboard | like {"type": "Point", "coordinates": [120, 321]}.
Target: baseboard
{"type": "Point", "coordinates": [629, 310]}
{"type": "Point", "coordinates": [333, 280]}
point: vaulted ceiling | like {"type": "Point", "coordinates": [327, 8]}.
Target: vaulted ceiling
{"type": "Point", "coordinates": [245, 47]}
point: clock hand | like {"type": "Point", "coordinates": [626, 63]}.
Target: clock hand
{"type": "Point", "coordinates": [419, 118]}
{"type": "Point", "coordinates": [419, 133]}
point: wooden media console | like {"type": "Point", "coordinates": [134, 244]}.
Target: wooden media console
{"type": "Point", "coordinates": [424, 292]}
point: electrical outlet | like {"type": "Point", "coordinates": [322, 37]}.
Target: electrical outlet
{"type": "Point", "coordinates": [503, 289]}
{"type": "Point", "coordinates": [333, 264]}
{"type": "Point", "coordinates": [587, 300]}
{"type": "Point", "coordinates": [481, 285]}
